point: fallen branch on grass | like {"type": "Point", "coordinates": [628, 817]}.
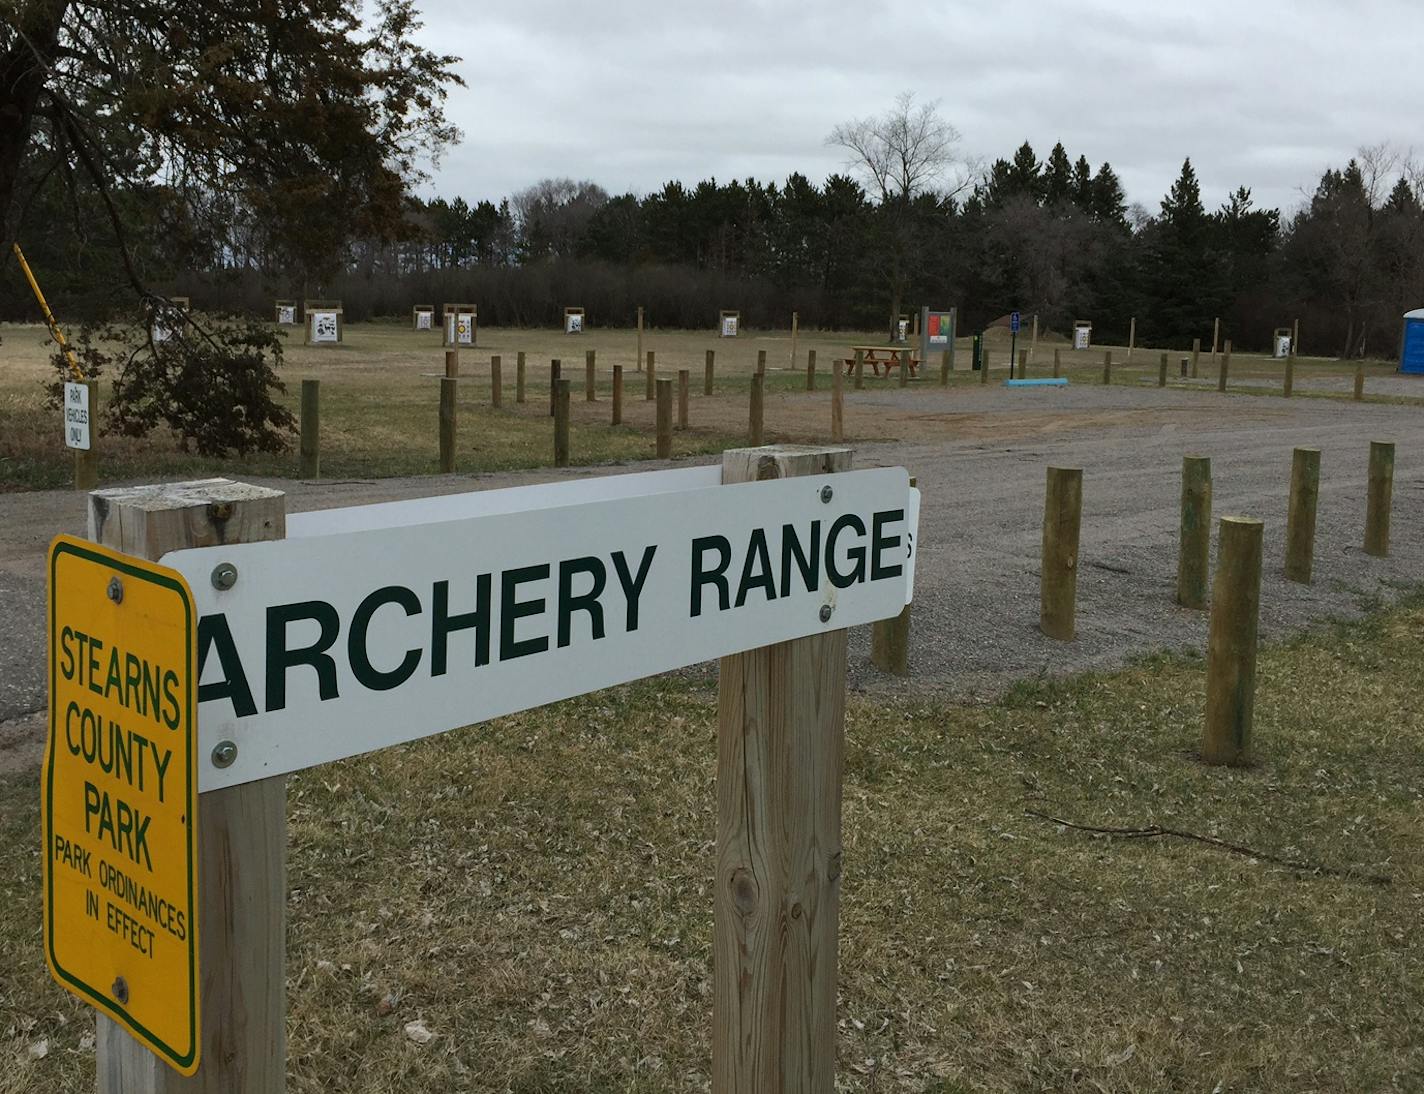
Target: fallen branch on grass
{"type": "Point", "coordinates": [1156, 831]}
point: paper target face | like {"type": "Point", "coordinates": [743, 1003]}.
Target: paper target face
{"type": "Point", "coordinates": [729, 326]}
{"type": "Point", "coordinates": [465, 330]}
{"type": "Point", "coordinates": [287, 315]}
{"type": "Point", "coordinates": [573, 324]}
{"type": "Point", "coordinates": [324, 326]}
{"type": "Point", "coordinates": [422, 320]}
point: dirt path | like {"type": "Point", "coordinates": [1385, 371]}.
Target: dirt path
{"type": "Point", "coordinates": [980, 456]}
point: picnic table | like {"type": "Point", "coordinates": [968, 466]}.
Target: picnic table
{"type": "Point", "coordinates": [889, 356]}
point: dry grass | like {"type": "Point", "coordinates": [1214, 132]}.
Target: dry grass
{"type": "Point", "coordinates": [536, 891]}
{"type": "Point", "coordinates": [380, 401]}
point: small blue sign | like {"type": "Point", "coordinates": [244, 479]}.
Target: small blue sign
{"type": "Point", "coordinates": [1014, 322]}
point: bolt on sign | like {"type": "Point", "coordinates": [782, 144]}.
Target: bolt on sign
{"type": "Point", "coordinates": [376, 625]}
{"type": "Point", "coordinates": [120, 794]}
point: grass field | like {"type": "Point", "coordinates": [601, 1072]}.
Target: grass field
{"type": "Point", "coordinates": [535, 891]}
{"type": "Point", "coordinates": [380, 400]}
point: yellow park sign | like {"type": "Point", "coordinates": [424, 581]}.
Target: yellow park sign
{"type": "Point", "coordinates": [121, 794]}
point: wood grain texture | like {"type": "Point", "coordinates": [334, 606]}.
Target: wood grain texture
{"type": "Point", "coordinates": [1058, 581]}
{"type": "Point", "coordinates": [561, 423]}
{"type": "Point", "coordinates": [590, 376]}
{"type": "Point", "coordinates": [496, 382]}
{"type": "Point", "coordinates": [1300, 518]}
{"type": "Point", "coordinates": [448, 402]}
{"type": "Point", "coordinates": [652, 375]}
{"type": "Point", "coordinates": [1380, 499]}
{"type": "Point", "coordinates": [837, 403]}
{"type": "Point", "coordinates": [617, 395]}
{"type": "Point", "coordinates": [242, 834]}
{"type": "Point", "coordinates": [757, 409]}
{"type": "Point", "coordinates": [708, 372]}
{"type": "Point", "coordinates": [1231, 643]}
{"type": "Point", "coordinates": [519, 377]}
{"type": "Point", "coordinates": [781, 747]}
{"type": "Point", "coordinates": [1194, 552]}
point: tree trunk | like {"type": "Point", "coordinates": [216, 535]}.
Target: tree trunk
{"type": "Point", "coordinates": [22, 79]}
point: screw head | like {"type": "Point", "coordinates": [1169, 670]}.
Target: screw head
{"type": "Point", "coordinates": [121, 990]}
{"type": "Point", "coordinates": [224, 576]}
{"type": "Point", "coordinates": [115, 591]}
{"type": "Point", "coordinates": [826, 611]}
{"type": "Point", "coordinates": [827, 493]}
{"type": "Point", "coordinates": [224, 754]}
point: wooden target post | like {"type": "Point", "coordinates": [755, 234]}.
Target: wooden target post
{"type": "Point", "coordinates": [728, 323]}
{"type": "Point", "coordinates": [324, 322]}
{"type": "Point", "coordinates": [574, 320]}
{"type": "Point", "coordinates": [459, 325]}
{"type": "Point", "coordinates": [284, 313]}
{"type": "Point", "coordinates": [422, 317]}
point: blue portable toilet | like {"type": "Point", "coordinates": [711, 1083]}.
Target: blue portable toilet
{"type": "Point", "coordinates": [1411, 353]}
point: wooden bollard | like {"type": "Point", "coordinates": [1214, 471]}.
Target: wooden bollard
{"type": "Point", "coordinates": [1107, 366]}
{"type": "Point", "coordinates": [311, 430]}
{"type": "Point", "coordinates": [761, 360]}
{"type": "Point", "coordinates": [776, 896]}
{"type": "Point", "coordinates": [684, 382]}
{"type": "Point", "coordinates": [904, 371]}
{"type": "Point", "coordinates": [984, 364]}
{"type": "Point", "coordinates": [650, 376]}
{"type": "Point", "coordinates": [496, 382]}
{"type": "Point", "coordinates": [1359, 381]}
{"type": "Point", "coordinates": [617, 394]}
{"type": "Point", "coordinates": [1194, 551]}
{"type": "Point", "coordinates": [1231, 645]}
{"type": "Point", "coordinates": [519, 377]}
{"type": "Point", "coordinates": [1289, 386]}
{"type": "Point", "coordinates": [890, 640]}
{"type": "Point", "coordinates": [944, 363]}
{"type": "Point", "coordinates": [561, 423]}
{"type": "Point", "coordinates": [1300, 517]}
{"type": "Point", "coordinates": [754, 430]}
{"type": "Point", "coordinates": [1131, 339]}
{"type": "Point", "coordinates": [811, 370]}
{"type": "Point", "coordinates": [1023, 364]}
{"type": "Point", "coordinates": [590, 376]}
{"type": "Point", "coordinates": [452, 362]}
{"type": "Point", "coordinates": [859, 370]}
{"type": "Point", "coordinates": [708, 369]}
{"type": "Point", "coordinates": [241, 846]}
{"type": "Point", "coordinates": [1162, 371]}
{"type": "Point", "coordinates": [1196, 357]}
{"type": "Point", "coordinates": [1057, 362]}
{"type": "Point", "coordinates": [1381, 493]}
{"type": "Point", "coordinates": [638, 353]}
{"type": "Point", "coordinates": [837, 402]}
{"type": "Point", "coordinates": [86, 460]}
{"type": "Point", "coordinates": [1225, 366]}
{"type": "Point", "coordinates": [448, 388]}
{"type": "Point", "coordinates": [556, 372]}
{"type": "Point", "coordinates": [1058, 582]}
{"type": "Point", "coordinates": [664, 419]}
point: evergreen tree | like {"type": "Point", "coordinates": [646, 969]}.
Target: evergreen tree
{"type": "Point", "coordinates": [1058, 177]}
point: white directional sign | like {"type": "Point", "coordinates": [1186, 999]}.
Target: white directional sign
{"type": "Point", "coordinates": [369, 628]}
{"type": "Point", "coordinates": [76, 416]}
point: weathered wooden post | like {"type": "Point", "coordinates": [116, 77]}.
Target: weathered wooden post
{"type": "Point", "coordinates": [1058, 581]}
{"type": "Point", "coordinates": [944, 363]}
{"type": "Point", "coordinates": [761, 361]}
{"type": "Point", "coordinates": [984, 364]}
{"type": "Point", "coordinates": [904, 371]}
{"type": "Point", "coordinates": [780, 754]}
{"type": "Point", "coordinates": [1231, 644]}
{"type": "Point", "coordinates": [890, 640]}
{"type": "Point", "coordinates": [795, 332]}
{"type": "Point", "coordinates": [1194, 552]}
{"type": "Point", "coordinates": [1196, 357]}
{"type": "Point", "coordinates": [1289, 385]}
{"type": "Point", "coordinates": [811, 370]}
{"type": "Point", "coordinates": [1131, 338]}
{"type": "Point", "coordinates": [757, 407]}
{"type": "Point", "coordinates": [1295, 337]}
{"type": "Point", "coordinates": [638, 353]}
{"type": "Point", "coordinates": [684, 381]}
{"type": "Point", "coordinates": [1215, 338]}
{"type": "Point", "coordinates": [1033, 341]}
{"type": "Point", "coordinates": [561, 423]}
{"type": "Point", "coordinates": [859, 370]}
{"type": "Point", "coordinates": [1162, 371]}
{"type": "Point", "coordinates": [837, 402]}
{"type": "Point", "coordinates": [1300, 518]}
{"type": "Point", "coordinates": [1381, 497]}
{"type": "Point", "coordinates": [496, 382]}
{"type": "Point", "coordinates": [708, 369]}
{"type": "Point", "coordinates": [651, 375]}
{"type": "Point", "coordinates": [311, 430]}
{"type": "Point", "coordinates": [590, 376]}
{"type": "Point", "coordinates": [1107, 366]}
{"type": "Point", "coordinates": [664, 420]}
{"type": "Point", "coordinates": [86, 460]}
{"type": "Point", "coordinates": [242, 834]}
{"type": "Point", "coordinates": [1359, 381]}
{"type": "Point", "coordinates": [556, 372]}
{"type": "Point", "coordinates": [1225, 366]}
{"type": "Point", "coordinates": [1057, 362]}
{"type": "Point", "coordinates": [617, 394]}
{"type": "Point", "coordinates": [448, 386]}
{"type": "Point", "coordinates": [519, 377]}
{"type": "Point", "coordinates": [1023, 364]}
{"type": "Point", "coordinates": [452, 362]}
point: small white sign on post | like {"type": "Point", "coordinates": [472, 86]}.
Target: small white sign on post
{"type": "Point", "coordinates": [76, 416]}
{"type": "Point", "coordinates": [335, 643]}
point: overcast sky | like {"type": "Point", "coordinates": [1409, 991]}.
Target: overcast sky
{"type": "Point", "coordinates": [1262, 93]}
